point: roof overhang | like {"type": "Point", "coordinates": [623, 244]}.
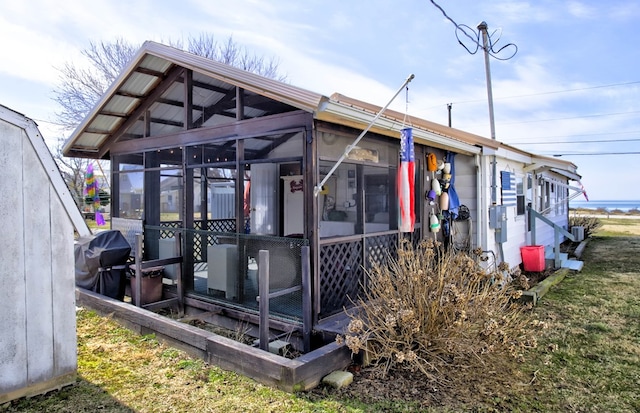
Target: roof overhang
{"type": "Point", "coordinates": [359, 116]}
{"type": "Point", "coordinates": [153, 66]}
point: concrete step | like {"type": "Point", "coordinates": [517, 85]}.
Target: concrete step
{"type": "Point", "coordinates": [572, 264]}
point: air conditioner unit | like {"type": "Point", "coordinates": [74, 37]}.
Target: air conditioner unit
{"type": "Point", "coordinates": [578, 233]}
{"type": "Point", "coordinates": [222, 263]}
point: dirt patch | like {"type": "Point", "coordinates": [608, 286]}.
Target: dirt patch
{"type": "Point", "coordinates": [456, 389]}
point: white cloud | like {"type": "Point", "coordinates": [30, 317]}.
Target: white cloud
{"type": "Point", "coordinates": [581, 10]}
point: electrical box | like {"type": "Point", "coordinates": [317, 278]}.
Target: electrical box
{"type": "Point", "coordinates": [498, 222]}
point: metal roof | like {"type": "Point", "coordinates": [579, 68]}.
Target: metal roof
{"type": "Point", "coordinates": [152, 76]}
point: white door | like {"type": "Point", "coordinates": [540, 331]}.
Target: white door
{"type": "Point", "coordinates": [264, 190]}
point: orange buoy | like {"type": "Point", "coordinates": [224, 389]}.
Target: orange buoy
{"type": "Point", "coordinates": [432, 162]}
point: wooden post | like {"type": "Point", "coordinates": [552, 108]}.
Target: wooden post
{"type": "Point", "coordinates": [307, 316]}
{"type": "Point", "coordinates": [138, 283]}
{"type": "Point", "coordinates": [177, 252]}
{"type": "Point", "coordinates": [263, 289]}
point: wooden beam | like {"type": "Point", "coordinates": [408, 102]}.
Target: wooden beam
{"type": "Point", "coordinates": [188, 99]}
{"type": "Point", "coordinates": [248, 128]}
{"type": "Point", "coordinates": [156, 93]}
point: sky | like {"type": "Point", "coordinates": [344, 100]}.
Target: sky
{"type": "Point", "coordinates": [571, 89]}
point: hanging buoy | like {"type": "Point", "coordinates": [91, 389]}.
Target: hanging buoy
{"type": "Point", "coordinates": [431, 196]}
{"type": "Point", "coordinates": [435, 185]}
{"type": "Point", "coordinates": [444, 201]}
{"type": "Point", "coordinates": [434, 223]}
{"type": "Point", "coordinates": [445, 181]}
{"type": "Point", "coordinates": [432, 162]}
{"type": "Point", "coordinates": [446, 168]}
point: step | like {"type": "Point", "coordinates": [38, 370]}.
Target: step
{"type": "Point", "coordinates": [572, 264]}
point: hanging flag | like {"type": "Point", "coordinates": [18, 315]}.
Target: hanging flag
{"type": "Point", "coordinates": [406, 182]}
{"type": "Point", "coordinates": [92, 192]}
{"type": "Point", "coordinates": [584, 192]}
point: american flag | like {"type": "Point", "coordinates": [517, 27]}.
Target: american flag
{"type": "Point", "coordinates": [406, 182]}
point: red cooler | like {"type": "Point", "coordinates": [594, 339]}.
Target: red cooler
{"type": "Point", "coordinates": [533, 258]}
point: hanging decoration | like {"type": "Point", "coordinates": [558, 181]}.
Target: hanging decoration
{"type": "Point", "coordinates": [435, 186]}
{"type": "Point", "coordinates": [444, 201]}
{"type": "Point", "coordinates": [454, 201]}
{"type": "Point", "coordinates": [434, 222]}
{"type": "Point", "coordinates": [92, 192]}
{"type": "Point", "coordinates": [432, 164]}
{"type": "Point", "coordinates": [406, 182]}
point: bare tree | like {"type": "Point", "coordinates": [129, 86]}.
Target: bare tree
{"type": "Point", "coordinates": [82, 85]}
{"type": "Point", "coordinates": [72, 171]}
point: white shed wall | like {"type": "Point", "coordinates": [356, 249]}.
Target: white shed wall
{"type": "Point", "coordinates": [37, 288]}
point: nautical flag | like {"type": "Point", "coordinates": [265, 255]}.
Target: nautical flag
{"type": "Point", "coordinates": [508, 188]}
{"type": "Point", "coordinates": [406, 182]}
{"type": "Point", "coordinates": [584, 192]}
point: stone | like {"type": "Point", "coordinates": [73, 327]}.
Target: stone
{"type": "Point", "coordinates": [338, 379]}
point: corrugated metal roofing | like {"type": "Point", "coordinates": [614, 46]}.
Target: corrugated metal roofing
{"type": "Point", "coordinates": [154, 61]}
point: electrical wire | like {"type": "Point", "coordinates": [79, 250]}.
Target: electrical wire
{"type": "Point", "coordinates": [551, 92]}
{"type": "Point", "coordinates": [594, 154]}
{"type": "Point", "coordinates": [475, 38]}
{"type": "Point", "coordinates": [595, 115]}
{"type": "Point", "coordinates": [558, 142]}
{"type": "Point", "coordinates": [580, 134]}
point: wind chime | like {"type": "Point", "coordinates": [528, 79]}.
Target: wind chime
{"type": "Point", "coordinates": [92, 192]}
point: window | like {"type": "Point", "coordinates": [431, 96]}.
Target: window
{"type": "Point", "coordinates": [520, 198]}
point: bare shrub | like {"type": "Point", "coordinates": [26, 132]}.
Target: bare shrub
{"type": "Point", "coordinates": [590, 224]}
{"type": "Point", "coordinates": [430, 310]}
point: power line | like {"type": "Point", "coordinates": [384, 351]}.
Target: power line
{"type": "Point", "coordinates": [591, 141]}
{"type": "Point", "coordinates": [552, 92]}
{"type": "Point", "coordinates": [475, 38]}
{"type": "Point", "coordinates": [580, 134]}
{"type": "Point", "coordinates": [594, 153]}
{"type": "Point", "coordinates": [572, 117]}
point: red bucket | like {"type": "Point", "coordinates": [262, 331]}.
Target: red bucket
{"type": "Point", "coordinates": [533, 258]}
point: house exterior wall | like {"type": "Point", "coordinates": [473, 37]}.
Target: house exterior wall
{"type": "Point", "coordinates": [37, 294]}
{"type": "Point", "coordinates": [546, 195]}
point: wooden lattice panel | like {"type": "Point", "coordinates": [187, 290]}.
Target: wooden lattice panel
{"type": "Point", "coordinates": [378, 250]}
{"type": "Point", "coordinates": [341, 275]}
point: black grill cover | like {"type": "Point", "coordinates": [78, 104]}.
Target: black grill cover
{"type": "Point", "coordinates": [101, 263]}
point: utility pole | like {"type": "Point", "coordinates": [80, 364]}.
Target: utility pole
{"type": "Point", "coordinates": [485, 47]}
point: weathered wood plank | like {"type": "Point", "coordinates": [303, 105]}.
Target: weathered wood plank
{"type": "Point", "coordinates": [63, 285]}
{"type": "Point", "coordinates": [13, 357]}
{"type": "Point", "coordinates": [54, 383]}
{"type": "Point", "coordinates": [38, 276]}
{"type": "Point", "coordinates": [313, 366]}
{"type": "Point", "coordinates": [194, 336]}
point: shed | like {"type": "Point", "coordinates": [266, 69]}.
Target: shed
{"type": "Point", "coordinates": [37, 291]}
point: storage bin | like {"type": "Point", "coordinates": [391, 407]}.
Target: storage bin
{"type": "Point", "coordinates": [533, 258]}
{"type": "Point", "coordinates": [150, 285]}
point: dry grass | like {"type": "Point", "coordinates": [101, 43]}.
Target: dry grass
{"type": "Point", "coordinates": [588, 360]}
{"type": "Point", "coordinates": [431, 311]}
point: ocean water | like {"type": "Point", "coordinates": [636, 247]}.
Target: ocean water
{"type": "Point", "coordinates": [609, 205]}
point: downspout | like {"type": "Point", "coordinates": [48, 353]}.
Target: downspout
{"type": "Point", "coordinates": [481, 238]}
